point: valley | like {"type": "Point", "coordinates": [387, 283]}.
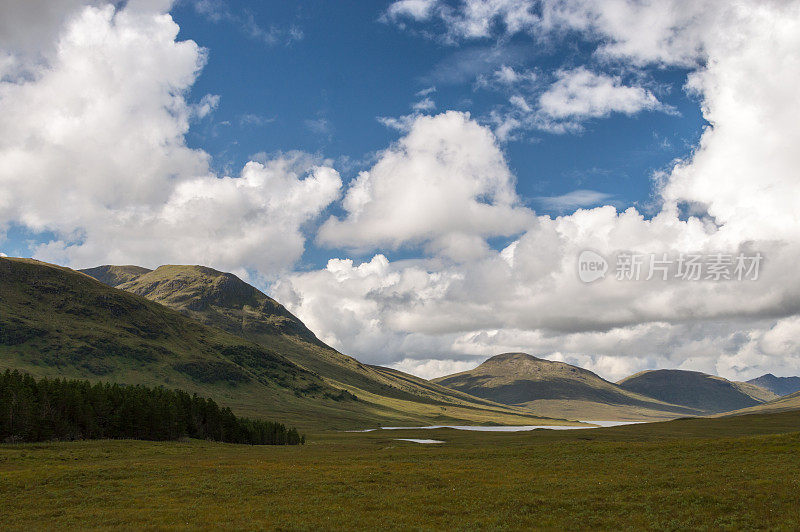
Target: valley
{"type": "Point", "coordinates": [674, 475]}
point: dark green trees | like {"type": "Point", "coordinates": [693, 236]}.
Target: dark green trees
{"type": "Point", "coordinates": [56, 409]}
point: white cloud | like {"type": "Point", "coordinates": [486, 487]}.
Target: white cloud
{"type": "Point", "coordinates": [580, 94]}
{"type": "Point", "coordinates": [470, 19]}
{"type": "Point", "coordinates": [32, 26]}
{"type": "Point", "coordinates": [670, 32]}
{"type": "Point", "coordinates": [415, 9]}
{"type": "Point", "coordinates": [92, 148]}
{"type": "Point", "coordinates": [207, 105]}
{"type": "Point", "coordinates": [255, 120]}
{"type": "Point", "coordinates": [431, 368]}
{"type": "Point", "coordinates": [573, 97]}
{"type": "Point", "coordinates": [426, 104]}
{"type": "Point", "coordinates": [507, 76]}
{"type": "Point", "coordinates": [573, 200]}
{"type": "Point", "coordinates": [445, 185]}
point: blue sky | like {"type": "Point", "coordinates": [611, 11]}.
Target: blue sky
{"type": "Point", "coordinates": [332, 69]}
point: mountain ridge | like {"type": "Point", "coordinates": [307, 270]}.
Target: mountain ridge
{"type": "Point", "coordinates": [55, 322]}
{"type": "Point", "coordinates": [708, 393]}
{"type": "Point", "coordinates": [224, 301]}
{"type": "Point", "coordinates": [556, 388]}
{"type": "Point", "coordinates": [778, 385]}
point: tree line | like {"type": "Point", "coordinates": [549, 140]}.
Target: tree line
{"type": "Point", "coordinates": [58, 409]}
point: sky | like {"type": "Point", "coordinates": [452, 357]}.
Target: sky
{"type": "Point", "coordinates": [427, 183]}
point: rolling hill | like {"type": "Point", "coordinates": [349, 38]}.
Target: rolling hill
{"type": "Point", "coordinates": [777, 385]}
{"type": "Point", "coordinates": [707, 393]}
{"type": "Point", "coordinates": [223, 300]}
{"type": "Point", "coordinates": [58, 322]}
{"type": "Point", "coordinates": [557, 389]}
{"type": "Point", "coordinates": [781, 404]}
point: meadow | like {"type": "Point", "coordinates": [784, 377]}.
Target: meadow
{"type": "Point", "coordinates": [725, 473]}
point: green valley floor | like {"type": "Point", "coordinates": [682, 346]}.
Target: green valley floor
{"type": "Point", "coordinates": [726, 473]}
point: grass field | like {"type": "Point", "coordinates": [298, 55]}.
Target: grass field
{"type": "Point", "coordinates": [728, 473]}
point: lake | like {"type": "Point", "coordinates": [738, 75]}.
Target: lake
{"type": "Point", "coordinates": [513, 428]}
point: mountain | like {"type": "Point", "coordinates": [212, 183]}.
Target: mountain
{"type": "Point", "coordinates": [557, 389]}
{"type": "Point", "coordinates": [781, 404]}
{"type": "Point", "coordinates": [209, 296]}
{"type": "Point", "coordinates": [223, 300]}
{"type": "Point", "coordinates": [115, 275]}
{"type": "Point", "coordinates": [58, 322]}
{"type": "Point", "coordinates": [777, 385]}
{"type": "Point", "coordinates": [707, 393]}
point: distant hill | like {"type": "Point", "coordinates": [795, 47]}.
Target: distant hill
{"type": "Point", "coordinates": [557, 389]}
{"type": "Point", "coordinates": [777, 385]}
{"type": "Point", "coordinates": [781, 404]}
{"type": "Point", "coordinates": [707, 393]}
{"type": "Point", "coordinates": [224, 301]}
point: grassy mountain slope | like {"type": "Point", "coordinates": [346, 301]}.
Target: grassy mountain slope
{"type": "Point", "coordinates": [781, 404]}
{"type": "Point", "coordinates": [115, 275]}
{"type": "Point", "coordinates": [556, 389]}
{"type": "Point", "coordinates": [708, 393]}
{"type": "Point", "coordinates": [777, 385]}
{"type": "Point", "coordinates": [58, 322]}
{"type": "Point", "coordinates": [225, 301]}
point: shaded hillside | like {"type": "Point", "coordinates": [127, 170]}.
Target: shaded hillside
{"type": "Point", "coordinates": [217, 298]}
{"type": "Point", "coordinates": [777, 385]}
{"type": "Point", "coordinates": [556, 389]}
{"type": "Point", "coordinates": [693, 389]}
{"type": "Point", "coordinates": [58, 322]}
{"type": "Point", "coordinates": [781, 404]}
{"type": "Point", "coordinates": [225, 301]}
{"type": "Point", "coordinates": [115, 275]}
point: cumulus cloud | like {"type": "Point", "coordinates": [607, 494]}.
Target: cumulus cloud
{"type": "Point", "coordinates": [740, 181]}
{"type": "Point", "coordinates": [431, 368]}
{"type": "Point", "coordinates": [33, 25]}
{"type": "Point", "coordinates": [573, 97]}
{"type": "Point", "coordinates": [667, 32]}
{"type": "Point", "coordinates": [415, 9]}
{"type": "Point", "coordinates": [92, 149]}
{"type": "Point", "coordinates": [580, 93]}
{"type": "Point", "coordinates": [444, 185]}
{"type": "Point", "coordinates": [470, 19]}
